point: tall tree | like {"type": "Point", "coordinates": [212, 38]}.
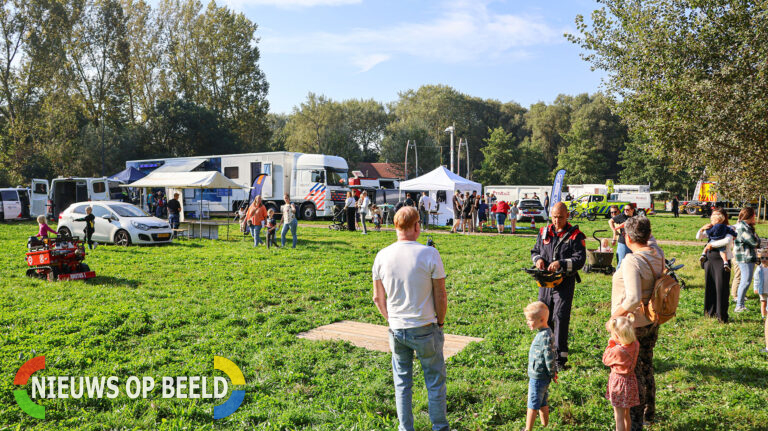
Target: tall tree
{"type": "Point", "coordinates": [692, 75]}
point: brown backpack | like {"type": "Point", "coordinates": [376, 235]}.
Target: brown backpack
{"type": "Point", "coordinates": [662, 305]}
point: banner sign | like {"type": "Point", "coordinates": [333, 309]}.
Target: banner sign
{"type": "Point", "coordinates": [258, 183]}
{"type": "Point", "coordinates": [557, 187]}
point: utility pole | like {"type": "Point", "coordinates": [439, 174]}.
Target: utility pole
{"type": "Point", "coordinates": [451, 130]}
{"type": "Point", "coordinates": [408, 145]}
{"type": "Point", "coordinates": [463, 142]}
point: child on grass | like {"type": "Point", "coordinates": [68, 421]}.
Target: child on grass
{"type": "Point", "coordinates": [44, 229]}
{"type": "Point", "coordinates": [541, 364]}
{"type": "Point", "coordinates": [716, 230]}
{"type": "Point", "coordinates": [271, 228]}
{"type": "Point", "coordinates": [376, 217]}
{"type": "Point", "coordinates": [621, 355]}
{"type": "Point", "coordinates": [761, 279]}
{"type": "Point", "coordinates": [90, 223]}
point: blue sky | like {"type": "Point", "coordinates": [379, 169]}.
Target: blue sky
{"type": "Point", "coordinates": [509, 50]}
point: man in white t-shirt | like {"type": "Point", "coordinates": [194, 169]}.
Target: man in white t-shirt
{"type": "Point", "coordinates": [425, 206]}
{"type": "Point", "coordinates": [409, 291]}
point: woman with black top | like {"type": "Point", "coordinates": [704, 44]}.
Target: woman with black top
{"type": "Point", "coordinates": [716, 278]}
{"type": "Point", "coordinates": [617, 226]}
{"type": "Point", "coordinates": [350, 211]}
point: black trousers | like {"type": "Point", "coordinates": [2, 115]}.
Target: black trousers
{"type": "Point", "coordinates": [559, 300]}
{"type": "Point", "coordinates": [351, 218]}
{"type": "Point", "coordinates": [717, 287]}
{"type": "Point", "coordinates": [88, 237]}
{"type": "Point", "coordinates": [271, 238]}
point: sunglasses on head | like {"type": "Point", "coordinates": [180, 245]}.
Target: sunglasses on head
{"type": "Point", "coordinates": [764, 258]}
{"type": "Point", "coordinates": [614, 212]}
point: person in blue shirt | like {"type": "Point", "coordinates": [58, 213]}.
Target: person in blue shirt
{"type": "Point", "coordinates": [542, 368]}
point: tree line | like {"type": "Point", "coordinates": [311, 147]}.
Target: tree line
{"type": "Point", "coordinates": [88, 84]}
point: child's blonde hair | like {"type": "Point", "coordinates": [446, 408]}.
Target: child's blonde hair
{"type": "Point", "coordinates": [624, 328]}
{"type": "Point", "coordinates": [41, 219]}
{"type": "Point", "coordinates": [270, 211]}
{"type": "Point", "coordinates": [536, 310]}
{"type": "Point", "coordinates": [716, 218]}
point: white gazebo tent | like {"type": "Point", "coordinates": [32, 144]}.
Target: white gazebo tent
{"type": "Point", "coordinates": [441, 179]}
{"type": "Point", "coordinates": [188, 180]}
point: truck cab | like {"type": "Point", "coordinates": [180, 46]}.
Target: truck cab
{"type": "Point", "coordinates": [322, 183]}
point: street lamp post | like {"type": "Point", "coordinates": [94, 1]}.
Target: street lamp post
{"type": "Point", "coordinates": [451, 130]}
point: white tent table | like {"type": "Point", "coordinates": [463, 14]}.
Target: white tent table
{"type": "Point", "coordinates": [190, 180]}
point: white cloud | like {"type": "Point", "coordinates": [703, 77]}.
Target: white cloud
{"type": "Point", "coordinates": [290, 4]}
{"type": "Point", "coordinates": [465, 31]}
{"type": "Point", "coordinates": [367, 62]}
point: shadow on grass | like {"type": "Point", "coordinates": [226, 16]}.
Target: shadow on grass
{"type": "Point", "coordinates": [112, 281]}
{"type": "Point", "coordinates": [748, 376]}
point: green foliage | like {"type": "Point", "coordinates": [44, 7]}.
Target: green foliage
{"type": "Point", "coordinates": [397, 135]}
{"type": "Point", "coordinates": [643, 167]}
{"type": "Point", "coordinates": [509, 161]}
{"type": "Point", "coordinates": [691, 75]}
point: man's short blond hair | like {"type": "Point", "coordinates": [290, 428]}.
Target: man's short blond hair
{"type": "Point", "coordinates": [405, 218]}
{"type": "Point", "coordinates": [536, 310]}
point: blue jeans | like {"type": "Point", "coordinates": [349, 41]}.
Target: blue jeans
{"type": "Point", "coordinates": [173, 220]}
{"type": "Point", "coordinates": [255, 231]}
{"type": "Point", "coordinates": [621, 251]}
{"type": "Point", "coordinates": [500, 219]}
{"type": "Point", "coordinates": [538, 393]}
{"type": "Point", "coordinates": [747, 271]}
{"type": "Point", "coordinates": [292, 225]}
{"type": "Point", "coordinates": [427, 342]}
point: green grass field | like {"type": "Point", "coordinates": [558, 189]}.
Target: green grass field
{"type": "Point", "coordinates": [166, 311]}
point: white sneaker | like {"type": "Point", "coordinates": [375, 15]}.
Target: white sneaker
{"type": "Point", "coordinates": [740, 309]}
{"type": "Point", "coordinates": [95, 244]}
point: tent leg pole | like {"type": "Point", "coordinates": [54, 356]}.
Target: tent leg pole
{"type": "Point", "coordinates": [228, 214]}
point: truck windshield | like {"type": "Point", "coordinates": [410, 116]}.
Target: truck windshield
{"type": "Point", "coordinates": [337, 177]}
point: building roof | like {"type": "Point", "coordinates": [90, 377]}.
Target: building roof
{"type": "Point", "coordinates": [381, 170]}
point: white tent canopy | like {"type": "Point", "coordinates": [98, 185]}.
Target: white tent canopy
{"type": "Point", "coordinates": [186, 180]}
{"type": "Point", "coordinates": [441, 179]}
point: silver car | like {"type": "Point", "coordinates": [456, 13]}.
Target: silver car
{"type": "Point", "coordinates": [116, 222]}
{"type": "Point", "coordinates": [528, 209]}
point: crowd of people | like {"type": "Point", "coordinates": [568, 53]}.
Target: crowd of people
{"type": "Point", "coordinates": [409, 292]}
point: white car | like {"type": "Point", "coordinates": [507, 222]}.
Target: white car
{"type": "Point", "coordinates": [530, 209]}
{"type": "Point", "coordinates": [116, 222]}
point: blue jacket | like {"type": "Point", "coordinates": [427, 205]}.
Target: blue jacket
{"type": "Point", "coordinates": [541, 357]}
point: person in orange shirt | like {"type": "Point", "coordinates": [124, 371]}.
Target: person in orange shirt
{"type": "Point", "coordinates": [255, 218]}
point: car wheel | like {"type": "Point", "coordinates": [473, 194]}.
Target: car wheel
{"type": "Point", "coordinates": [122, 238]}
{"type": "Point", "coordinates": [308, 211]}
{"type": "Point", "coordinates": [64, 231]}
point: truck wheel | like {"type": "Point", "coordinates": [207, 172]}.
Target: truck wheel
{"type": "Point", "coordinates": [122, 238]}
{"type": "Point", "coordinates": [641, 212]}
{"type": "Point", "coordinates": [64, 231]}
{"type": "Point", "coordinates": [690, 209]}
{"type": "Point", "coordinates": [308, 211]}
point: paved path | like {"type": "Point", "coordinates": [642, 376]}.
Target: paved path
{"type": "Point", "coordinates": [523, 235]}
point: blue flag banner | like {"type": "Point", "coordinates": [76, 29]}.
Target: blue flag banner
{"type": "Point", "coordinates": [557, 187]}
{"type": "Point", "coordinates": [258, 183]}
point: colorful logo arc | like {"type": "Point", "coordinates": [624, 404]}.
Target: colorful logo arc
{"type": "Point", "coordinates": [236, 397]}
{"type": "Point", "coordinates": [22, 397]}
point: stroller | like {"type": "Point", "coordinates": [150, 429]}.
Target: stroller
{"type": "Point", "coordinates": [599, 260]}
{"type": "Point", "coordinates": [338, 219]}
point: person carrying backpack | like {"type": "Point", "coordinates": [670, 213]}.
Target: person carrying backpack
{"type": "Point", "coordinates": [634, 286]}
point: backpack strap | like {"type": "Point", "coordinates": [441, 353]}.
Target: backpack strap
{"type": "Point", "coordinates": [651, 266]}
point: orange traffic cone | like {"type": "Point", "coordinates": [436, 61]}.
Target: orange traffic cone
{"type": "Point", "coordinates": [533, 223]}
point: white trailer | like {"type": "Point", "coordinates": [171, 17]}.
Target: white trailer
{"type": "Point", "coordinates": [315, 182]}
{"type": "Point", "coordinates": [515, 193]}
{"type": "Point", "coordinates": [601, 189]}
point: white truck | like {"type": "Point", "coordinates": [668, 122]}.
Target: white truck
{"type": "Point", "coordinates": [514, 193]}
{"type": "Point", "coordinates": [51, 199]}
{"type": "Point", "coordinates": [315, 182]}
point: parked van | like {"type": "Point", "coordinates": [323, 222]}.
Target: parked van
{"type": "Point", "coordinates": [14, 204]}
{"type": "Point", "coordinates": [63, 192]}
